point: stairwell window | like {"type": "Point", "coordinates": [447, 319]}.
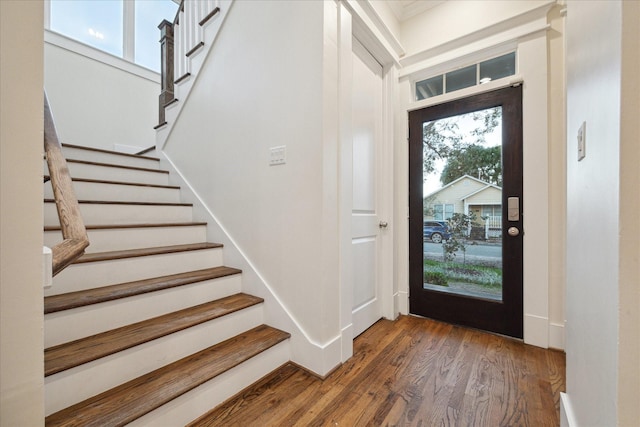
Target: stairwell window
{"type": "Point", "coordinates": [124, 28]}
{"type": "Point", "coordinates": [96, 23]}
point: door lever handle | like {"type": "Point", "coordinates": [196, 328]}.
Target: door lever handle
{"type": "Point", "coordinates": [383, 224]}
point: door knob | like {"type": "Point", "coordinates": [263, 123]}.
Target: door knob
{"type": "Point", "coordinates": [513, 231]}
{"type": "Point", "coordinates": [383, 224]}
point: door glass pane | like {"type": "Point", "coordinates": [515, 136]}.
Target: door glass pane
{"type": "Point", "coordinates": [428, 88]}
{"type": "Point", "coordinates": [462, 78]}
{"type": "Point", "coordinates": [148, 15]}
{"type": "Point", "coordinates": [462, 204]}
{"type": "Point", "coordinates": [498, 68]}
{"type": "Point", "coordinates": [96, 23]}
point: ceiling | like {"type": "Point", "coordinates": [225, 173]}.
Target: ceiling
{"type": "Point", "coordinates": [405, 9]}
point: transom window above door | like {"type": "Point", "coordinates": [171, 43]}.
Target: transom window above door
{"type": "Point", "coordinates": [472, 75]}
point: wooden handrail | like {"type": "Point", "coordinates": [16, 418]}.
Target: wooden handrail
{"type": "Point", "coordinates": [74, 232]}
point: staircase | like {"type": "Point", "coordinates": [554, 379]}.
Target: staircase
{"type": "Point", "coordinates": [149, 327]}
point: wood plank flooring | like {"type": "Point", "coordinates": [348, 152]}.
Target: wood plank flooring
{"type": "Point", "coordinates": [411, 372]}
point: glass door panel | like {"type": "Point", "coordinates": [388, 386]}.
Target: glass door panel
{"type": "Point", "coordinates": [462, 204]}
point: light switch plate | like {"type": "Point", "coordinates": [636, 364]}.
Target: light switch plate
{"type": "Point", "coordinates": [582, 141]}
{"type": "Point", "coordinates": [278, 155]}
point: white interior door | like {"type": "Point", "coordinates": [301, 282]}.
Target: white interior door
{"type": "Point", "coordinates": [367, 119]}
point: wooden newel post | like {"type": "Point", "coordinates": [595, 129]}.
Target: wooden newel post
{"type": "Point", "coordinates": [166, 68]}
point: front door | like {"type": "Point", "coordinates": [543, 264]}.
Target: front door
{"type": "Point", "coordinates": [465, 203]}
{"type": "Point", "coordinates": [367, 115]}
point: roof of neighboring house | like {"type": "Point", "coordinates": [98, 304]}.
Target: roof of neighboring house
{"type": "Point", "coordinates": [484, 186]}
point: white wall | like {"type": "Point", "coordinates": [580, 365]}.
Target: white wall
{"type": "Point", "coordinates": [603, 373]}
{"type": "Point", "coordinates": [99, 104]}
{"type": "Point", "coordinates": [263, 86]}
{"type": "Point", "coordinates": [487, 33]}
{"type": "Point", "coordinates": [21, 147]}
{"type": "Point", "coordinates": [454, 19]}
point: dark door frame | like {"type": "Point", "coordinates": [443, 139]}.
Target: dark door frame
{"type": "Point", "coordinates": [506, 316]}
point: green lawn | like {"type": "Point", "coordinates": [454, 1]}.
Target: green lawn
{"type": "Point", "coordinates": [440, 273]}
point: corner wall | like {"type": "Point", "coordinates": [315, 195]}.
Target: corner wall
{"type": "Point", "coordinates": [99, 100]}
{"type": "Point", "coordinates": [21, 150]}
{"type": "Point", "coordinates": [603, 374]}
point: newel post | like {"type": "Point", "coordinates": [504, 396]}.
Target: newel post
{"type": "Point", "coordinates": [166, 68]}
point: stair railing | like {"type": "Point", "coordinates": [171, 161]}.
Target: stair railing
{"type": "Point", "coordinates": [74, 232]}
{"type": "Point", "coordinates": [179, 40]}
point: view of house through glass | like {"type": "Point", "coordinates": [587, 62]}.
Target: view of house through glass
{"type": "Point", "coordinates": [462, 204]}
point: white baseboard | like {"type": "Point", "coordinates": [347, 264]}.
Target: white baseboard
{"type": "Point", "coordinates": [347, 342]}
{"type": "Point", "coordinates": [402, 302]}
{"type": "Point", "coordinates": [536, 330]}
{"type": "Point", "coordinates": [567, 418]}
{"type": "Point", "coordinates": [539, 331]}
{"type": "Point", "coordinates": [556, 336]}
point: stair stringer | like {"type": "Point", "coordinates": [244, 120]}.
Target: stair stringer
{"type": "Point", "coordinates": [319, 358]}
{"type": "Point", "coordinates": [182, 89]}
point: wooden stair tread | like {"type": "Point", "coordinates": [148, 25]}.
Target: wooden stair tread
{"type": "Point", "coordinates": [134, 253]}
{"type": "Point", "coordinates": [66, 356]}
{"type": "Point", "coordinates": [67, 301]}
{"type": "Point", "coordinates": [146, 225]}
{"type": "Point", "coordinates": [106, 181]}
{"type": "Point", "coordinates": [113, 165]}
{"type": "Point", "coordinates": [117, 202]}
{"type": "Point", "coordinates": [131, 400]}
{"type": "Point", "coordinates": [118, 153]}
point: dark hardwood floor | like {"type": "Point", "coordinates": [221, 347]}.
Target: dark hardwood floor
{"type": "Point", "coordinates": [411, 372]}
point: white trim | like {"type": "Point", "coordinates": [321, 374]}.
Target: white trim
{"type": "Point", "coordinates": [379, 24]}
{"type": "Point", "coordinates": [347, 342]}
{"type": "Point", "coordinates": [345, 183]}
{"type": "Point", "coordinates": [402, 302]}
{"type": "Point", "coordinates": [128, 30]}
{"type": "Point", "coordinates": [47, 14]}
{"type": "Point", "coordinates": [371, 35]}
{"type": "Point", "coordinates": [567, 417]}
{"type": "Point", "coordinates": [64, 42]}
{"type": "Point", "coordinates": [536, 330]}
{"type": "Point", "coordinates": [509, 30]}
{"type": "Point", "coordinates": [556, 336]}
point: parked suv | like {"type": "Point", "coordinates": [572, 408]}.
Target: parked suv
{"type": "Point", "coordinates": [436, 231]}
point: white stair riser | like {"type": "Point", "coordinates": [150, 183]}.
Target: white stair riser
{"type": "Point", "coordinates": [100, 157]}
{"type": "Point", "coordinates": [110, 173]}
{"type": "Point", "coordinates": [119, 192]}
{"type": "Point", "coordinates": [78, 277]}
{"type": "Point", "coordinates": [68, 325]}
{"type": "Point", "coordinates": [79, 383]}
{"type": "Point", "coordinates": [201, 400]}
{"type": "Point", "coordinates": [115, 239]}
{"type": "Point", "coordinates": [112, 214]}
